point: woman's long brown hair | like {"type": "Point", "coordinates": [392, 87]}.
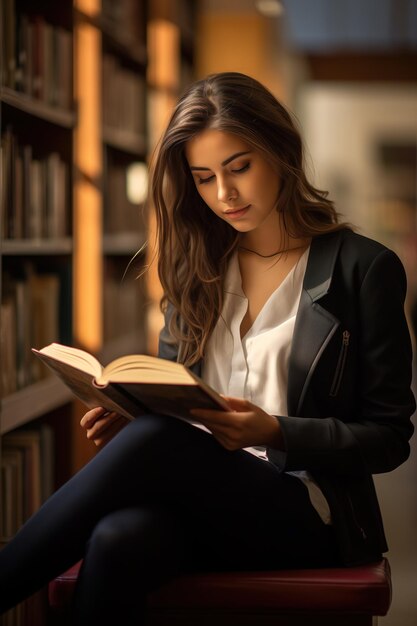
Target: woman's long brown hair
{"type": "Point", "coordinates": [194, 245]}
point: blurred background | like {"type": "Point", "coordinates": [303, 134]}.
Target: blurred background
{"type": "Point", "coordinates": [348, 70]}
{"type": "Point", "coordinates": [86, 88]}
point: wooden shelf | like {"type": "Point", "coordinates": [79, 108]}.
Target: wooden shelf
{"type": "Point", "coordinates": [37, 108]}
{"type": "Point", "coordinates": [53, 247]}
{"type": "Point", "coordinates": [32, 402]}
{"type": "Point", "coordinates": [123, 243]}
{"type": "Point", "coordinates": [130, 49]}
{"type": "Point", "coordinates": [124, 140]}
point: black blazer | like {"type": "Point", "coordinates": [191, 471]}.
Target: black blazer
{"type": "Point", "coordinates": [349, 378]}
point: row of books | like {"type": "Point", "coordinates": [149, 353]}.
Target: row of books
{"type": "Point", "coordinates": [29, 317]}
{"type": "Point", "coordinates": [31, 612]}
{"type": "Point", "coordinates": [14, 617]}
{"type": "Point", "coordinates": [35, 196]}
{"type": "Point", "coordinates": [127, 18]}
{"type": "Point", "coordinates": [129, 216]}
{"type": "Point", "coordinates": [36, 56]}
{"type": "Point", "coordinates": [130, 313]}
{"type": "Point", "coordinates": [27, 475]}
{"type": "Point", "coordinates": [124, 97]}
{"type": "Point", "coordinates": [27, 480]}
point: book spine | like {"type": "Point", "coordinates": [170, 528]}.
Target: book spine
{"type": "Point", "coordinates": [36, 56]}
{"type": "Point", "coordinates": [30, 315]}
{"type": "Point", "coordinates": [34, 194]}
{"type": "Point", "coordinates": [124, 97]}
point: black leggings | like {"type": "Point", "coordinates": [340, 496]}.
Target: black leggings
{"type": "Point", "coordinates": [162, 498]}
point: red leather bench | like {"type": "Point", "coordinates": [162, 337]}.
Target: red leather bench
{"type": "Point", "coordinates": [310, 597]}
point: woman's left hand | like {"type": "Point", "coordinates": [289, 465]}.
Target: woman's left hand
{"type": "Point", "coordinates": [244, 425]}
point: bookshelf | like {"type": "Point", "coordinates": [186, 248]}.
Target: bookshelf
{"type": "Point", "coordinates": [75, 136]}
{"type": "Point", "coordinates": [37, 123]}
{"type": "Point", "coordinates": [171, 46]}
{"type": "Point", "coordinates": [125, 148]}
{"type": "Point", "coordinates": [119, 96]}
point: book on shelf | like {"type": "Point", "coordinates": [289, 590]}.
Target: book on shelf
{"type": "Point", "coordinates": [35, 192]}
{"type": "Point", "coordinates": [133, 384]}
{"type": "Point", "coordinates": [127, 19]}
{"type": "Point", "coordinates": [130, 215]}
{"type": "Point", "coordinates": [28, 443]}
{"type": "Point", "coordinates": [8, 346]}
{"type": "Point", "coordinates": [124, 97]}
{"type": "Point", "coordinates": [36, 57]}
{"type": "Point", "coordinates": [130, 312]}
{"type": "Point", "coordinates": [27, 475]}
{"type": "Point", "coordinates": [29, 314]}
{"type": "Point", "coordinates": [7, 41]}
{"type": "Point", "coordinates": [12, 488]}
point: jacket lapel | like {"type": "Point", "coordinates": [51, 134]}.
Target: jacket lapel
{"type": "Point", "coordinates": [314, 325]}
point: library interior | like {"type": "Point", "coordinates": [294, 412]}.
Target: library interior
{"type": "Point", "coordinates": [86, 90]}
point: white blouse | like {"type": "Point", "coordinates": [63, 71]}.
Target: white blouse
{"type": "Point", "coordinates": [255, 366]}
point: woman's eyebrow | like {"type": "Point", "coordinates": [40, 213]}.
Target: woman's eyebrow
{"type": "Point", "coordinates": [223, 163]}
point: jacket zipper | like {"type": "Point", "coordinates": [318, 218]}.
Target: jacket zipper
{"type": "Point", "coordinates": [334, 390]}
{"type": "Point", "coordinates": [355, 520]}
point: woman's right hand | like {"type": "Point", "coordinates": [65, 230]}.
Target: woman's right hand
{"type": "Point", "coordinates": [102, 425]}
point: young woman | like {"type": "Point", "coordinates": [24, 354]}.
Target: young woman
{"type": "Point", "coordinates": [298, 322]}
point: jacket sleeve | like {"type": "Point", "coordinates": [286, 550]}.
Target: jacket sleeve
{"type": "Point", "coordinates": [375, 438]}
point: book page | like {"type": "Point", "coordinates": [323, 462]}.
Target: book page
{"type": "Point", "coordinates": [143, 368]}
{"type": "Point", "coordinates": [82, 385]}
{"type": "Point", "coordinates": [75, 357]}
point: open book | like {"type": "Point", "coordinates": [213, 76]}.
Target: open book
{"type": "Point", "coordinates": [133, 384]}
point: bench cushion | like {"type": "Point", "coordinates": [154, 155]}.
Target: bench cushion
{"type": "Point", "coordinates": [365, 589]}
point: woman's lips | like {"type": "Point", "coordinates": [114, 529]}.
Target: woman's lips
{"type": "Point", "coordinates": [235, 213]}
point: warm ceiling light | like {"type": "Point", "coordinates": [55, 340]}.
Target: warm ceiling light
{"type": "Point", "coordinates": [270, 8]}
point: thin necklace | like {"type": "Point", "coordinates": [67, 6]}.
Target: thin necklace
{"type": "Point", "coordinates": [268, 256]}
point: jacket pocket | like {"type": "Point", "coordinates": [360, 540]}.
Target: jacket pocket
{"type": "Point", "coordinates": [341, 362]}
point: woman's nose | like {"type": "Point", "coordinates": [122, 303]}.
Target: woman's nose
{"type": "Point", "coordinates": [226, 193]}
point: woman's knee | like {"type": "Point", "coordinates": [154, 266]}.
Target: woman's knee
{"type": "Point", "coordinates": [144, 544]}
{"type": "Point", "coordinates": [117, 534]}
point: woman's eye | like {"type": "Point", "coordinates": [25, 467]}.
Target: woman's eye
{"type": "Point", "coordinates": [202, 181]}
{"type": "Point", "coordinates": [240, 170]}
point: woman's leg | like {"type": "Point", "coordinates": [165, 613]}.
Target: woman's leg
{"type": "Point", "coordinates": [130, 551]}
{"type": "Point", "coordinates": [133, 551]}
{"type": "Point", "coordinates": [230, 499]}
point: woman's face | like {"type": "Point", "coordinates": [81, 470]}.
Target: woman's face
{"type": "Point", "coordinates": [235, 181]}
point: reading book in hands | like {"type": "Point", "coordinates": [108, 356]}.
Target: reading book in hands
{"type": "Point", "coordinates": [133, 384]}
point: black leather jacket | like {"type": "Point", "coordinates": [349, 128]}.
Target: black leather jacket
{"type": "Point", "coordinates": [349, 378]}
